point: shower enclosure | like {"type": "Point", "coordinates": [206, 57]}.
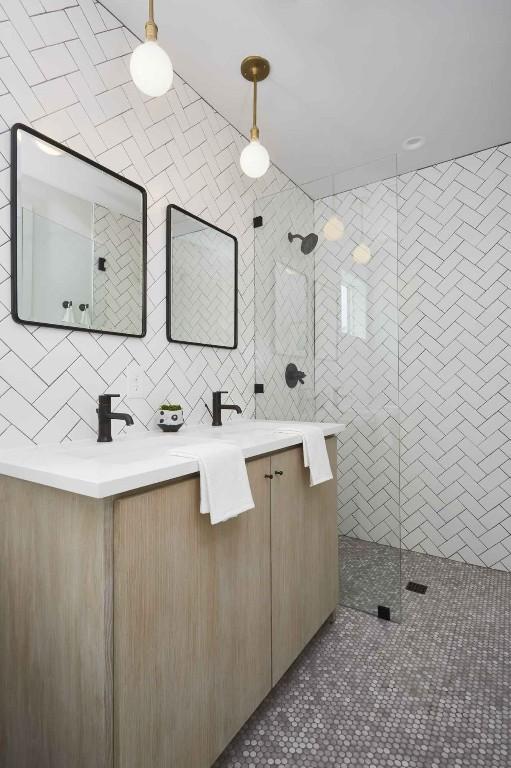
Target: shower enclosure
{"type": "Point", "coordinates": [326, 294]}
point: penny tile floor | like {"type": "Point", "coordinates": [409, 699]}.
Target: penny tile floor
{"type": "Point", "coordinates": [432, 692]}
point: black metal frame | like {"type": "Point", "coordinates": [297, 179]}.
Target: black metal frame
{"type": "Point", "coordinates": [14, 232]}
{"type": "Point", "coordinates": [171, 208]}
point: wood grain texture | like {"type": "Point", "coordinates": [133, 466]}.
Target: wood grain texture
{"type": "Point", "coordinates": [55, 638]}
{"type": "Point", "coordinates": [305, 582]}
{"type": "Point", "coordinates": [192, 624]}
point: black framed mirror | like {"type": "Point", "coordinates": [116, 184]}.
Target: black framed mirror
{"type": "Point", "coordinates": [202, 282]}
{"type": "Point", "coordinates": [78, 240]}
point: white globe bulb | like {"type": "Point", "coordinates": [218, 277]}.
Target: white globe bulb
{"type": "Point", "coordinates": [361, 254]}
{"type": "Point", "coordinates": [254, 160]}
{"type": "Point", "coordinates": [333, 229]}
{"type": "Point", "coordinates": [151, 69]}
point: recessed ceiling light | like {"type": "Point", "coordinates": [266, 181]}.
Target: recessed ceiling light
{"type": "Point", "coordinates": [414, 142]}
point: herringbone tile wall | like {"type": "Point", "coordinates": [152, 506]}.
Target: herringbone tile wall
{"type": "Point", "coordinates": [357, 358]}
{"type": "Point", "coordinates": [116, 293]}
{"type": "Point", "coordinates": [455, 360]}
{"type": "Point", "coordinates": [196, 277]}
{"type": "Point", "coordinates": [64, 70]}
{"type": "Point", "coordinates": [455, 271]}
{"type": "Point", "coordinates": [284, 306]}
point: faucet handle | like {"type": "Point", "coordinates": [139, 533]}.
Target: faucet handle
{"type": "Point", "coordinates": [106, 398]}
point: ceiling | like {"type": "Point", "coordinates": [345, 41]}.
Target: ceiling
{"type": "Point", "coordinates": [350, 80]}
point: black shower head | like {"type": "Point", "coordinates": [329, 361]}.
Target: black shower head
{"type": "Point", "coordinates": [309, 242]}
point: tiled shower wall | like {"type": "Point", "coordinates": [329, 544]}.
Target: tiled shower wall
{"type": "Point", "coordinates": [455, 363]}
{"type": "Point", "coordinates": [64, 71]}
{"type": "Point", "coordinates": [455, 269]}
{"type": "Point", "coordinates": [357, 358]}
{"type": "Point", "coordinates": [284, 306]}
{"type": "Point", "coordinates": [117, 290]}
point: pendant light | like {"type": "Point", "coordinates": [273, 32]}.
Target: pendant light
{"type": "Point", "coordinates": [150, 67]}
{"type": "Point", "coordinates": [254, 159]}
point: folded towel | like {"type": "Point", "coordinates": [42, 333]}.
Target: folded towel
{"type": "Point", "coordinates": [315, 454]}
{"type": "Point", "coordinates": [224, 486]}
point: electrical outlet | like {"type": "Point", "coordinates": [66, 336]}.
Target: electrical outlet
{"type": "Point", "coordinates": [134, 381]}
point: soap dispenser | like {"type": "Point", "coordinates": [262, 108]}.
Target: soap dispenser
{"type": "Point", "coordinates": [85, 315]}
{"type": "Point", "coordinates": [69, 316]}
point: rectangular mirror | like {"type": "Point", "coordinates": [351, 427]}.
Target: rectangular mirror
{"type": "Point", "coordinates": [202, 282]}
{"type": "Point", "coordinates": [78, 240]}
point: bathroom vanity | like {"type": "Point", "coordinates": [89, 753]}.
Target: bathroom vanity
{"type": "Point", "coordinates": [135, 633]}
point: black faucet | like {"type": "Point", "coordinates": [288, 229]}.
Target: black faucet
{"type": "Point", "coordinates": [105, 417]}
{"type": "Point", "coordinates": [218, 408]}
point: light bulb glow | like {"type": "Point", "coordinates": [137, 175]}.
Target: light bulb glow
{"type": "Point", "coordinates": [49, 149]}
{"type": "Point", "coordinates": [254, 160]}
{"type": "Point", "coordinates": [151, 69]}
{"type": "Point", "coordinates": [361, 254]}
{"type": "Point", "coordinates": [333, 229]}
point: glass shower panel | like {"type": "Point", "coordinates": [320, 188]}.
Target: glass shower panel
{"type": "Point", "coordinates": [333, 310]}
{"type": "Point", "coordinates": [357, 365]}
{"type": "Point", "coordinates": [284, 306]}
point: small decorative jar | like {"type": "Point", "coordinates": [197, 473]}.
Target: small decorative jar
{"type": "Point", "coordinates": [170, 417]}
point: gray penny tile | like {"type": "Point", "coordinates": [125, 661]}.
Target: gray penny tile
{"type": "Point", "coordinates": [432, 692]}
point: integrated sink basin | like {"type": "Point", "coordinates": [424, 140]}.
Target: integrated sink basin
{"type": "Point", "coordinates": [139, 459]}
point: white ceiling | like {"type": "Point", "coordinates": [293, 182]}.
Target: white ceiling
{"type": "Point", "coordinates": [350, 79]}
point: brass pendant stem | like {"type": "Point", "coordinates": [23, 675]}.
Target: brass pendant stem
{"type": "Point", "coordinates": [255, 69]}
{"type": "Point", "coordinates": [254, 106]}
{"type": "Point", "coordinates": [151, 30]}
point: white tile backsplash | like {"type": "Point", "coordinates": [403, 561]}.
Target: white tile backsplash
{"type": "Point", "coordinates": [69, 78]}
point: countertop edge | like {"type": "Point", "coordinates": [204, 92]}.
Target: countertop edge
{"type": "Point", "coordinates": [111, 488]}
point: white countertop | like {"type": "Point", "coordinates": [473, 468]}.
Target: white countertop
{"type": "Point", "coordinates": [100, 470]}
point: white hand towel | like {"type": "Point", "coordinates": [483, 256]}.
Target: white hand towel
{"type": "Point", "coordinates": [224, 485]}
{"type": "Point", "coordinates": [315, 454]}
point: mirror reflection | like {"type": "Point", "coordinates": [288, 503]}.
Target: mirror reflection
{"type": "Point", "coordinates": [202, 275]}
{"type": "Point", "coordinates": [78, 241]}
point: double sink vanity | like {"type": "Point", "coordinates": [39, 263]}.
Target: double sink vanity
{"type": "Point", "coordinates": [135, 633]}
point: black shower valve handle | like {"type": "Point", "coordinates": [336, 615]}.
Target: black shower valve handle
{"type": "Point", "coordinates": [293, 375]}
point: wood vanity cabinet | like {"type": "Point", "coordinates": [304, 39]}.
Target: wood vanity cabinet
{"type": "Point", "coordinates": [135, 634]}
{"type": "Point", "coordinates": [192, 617]}
{"type": "Point", "coordinates": [304, 555]}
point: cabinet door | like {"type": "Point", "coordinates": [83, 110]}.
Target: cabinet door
{"type": "Point", "coordinates": [55, 628]}
{"type": "Point", "coordinates": [192, 615]}
{"type": "Point", "coordinates": [304, 548]}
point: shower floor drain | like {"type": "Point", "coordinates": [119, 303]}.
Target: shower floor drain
{"type": "Point", "coordinates": [414, 586]}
